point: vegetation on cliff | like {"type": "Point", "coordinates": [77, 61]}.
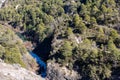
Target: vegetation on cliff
{"type": "Point", "coordinates": [12, 49]}
{"type": "Point", "coordinates": [85, 32]}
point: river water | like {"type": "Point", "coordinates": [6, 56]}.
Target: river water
{"type": "Point", "coordinates": [42, 64]}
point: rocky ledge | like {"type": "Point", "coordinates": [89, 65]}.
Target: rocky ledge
{"type": "Point", "coordinates": [16, 72]}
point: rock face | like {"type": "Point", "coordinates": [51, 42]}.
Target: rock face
{"type": "Point", "coordinates": [2, 2]}
{"type": "Point", "coordinates": [55, 72]}
{"type": "Point", "coordinates": [15, 72]}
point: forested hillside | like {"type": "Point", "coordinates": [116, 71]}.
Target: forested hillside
{"type": "Point", "coordinates": [13, 51]}
{"type": "Point", "coordinates": [85, 33]}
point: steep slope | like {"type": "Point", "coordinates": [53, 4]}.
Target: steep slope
{"type": "Point", "coordinates": [12, 49]}
{"type": "Point", "coordinates": [16, 72]}
{"type": "Point", "coordinates": [85, 33]}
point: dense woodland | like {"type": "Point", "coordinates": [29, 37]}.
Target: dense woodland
{"type": "Point", "coordinates": [95, 22]}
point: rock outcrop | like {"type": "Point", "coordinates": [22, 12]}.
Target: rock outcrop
{"type": "Point", "coordinates": [56, 72]}
{"type": "Point", "coordinates": [16, 72]}
{"type": "Point", "coordinates": [2, 2]}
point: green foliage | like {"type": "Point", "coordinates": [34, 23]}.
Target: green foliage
{"type": "Point", "coordinates": [76, 19]}
{"type": "Point", "coordinates": [92, 20]}
{"type": "Point", "coordinates": [87, 18]}
{"type": "Point", "coordinates": [66, 49]}
{"type": "Point", "coordinates": [65, 54]}
{"type": "Point", "coordinates": [79, 25]}
{"type": "Point", "coordinates": [113, 34]}
{"type": "Point", "coordinates": [83, 9]}
{"type": "Point", "coordinates": [115, 53]}
{"type": "Point", "coordinates": [2, 51]}
{"type": "Point", "coordinates": [12, 55]}
{"type": "Point", "coordinates": [41, 30]}
{"type": "Point", "coordinates": [91, 60]}
{"type": "Point", "coordinates": [11, 48]}
{"type": "Point", "coordinates": [82, 28]}
{"type": "Point", "coordinates": [69, 32]}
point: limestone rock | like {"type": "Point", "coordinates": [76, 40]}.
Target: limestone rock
{"type": "Point", "coordinates": [16, 72]}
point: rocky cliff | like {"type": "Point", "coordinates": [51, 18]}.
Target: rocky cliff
{"type": "Point", "coordinates": [16, 72]}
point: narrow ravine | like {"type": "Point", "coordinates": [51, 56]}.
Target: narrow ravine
{"type": "Point", "coordinates": [43, 49]}
{"type": "Point", "coordinates": [41, 54]}
{"type": "Point", "coordinates": [42, 64]}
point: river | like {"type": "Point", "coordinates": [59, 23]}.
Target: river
{"type": "Point", "coordinates": [42, 64]}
